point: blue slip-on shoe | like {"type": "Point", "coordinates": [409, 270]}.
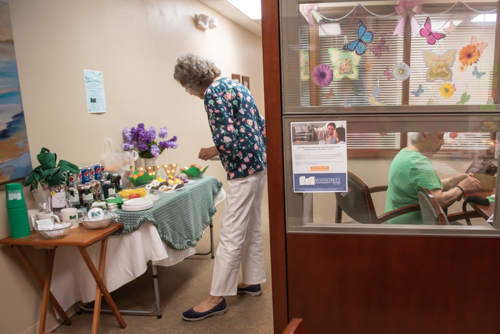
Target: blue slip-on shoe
{"type": "Point", "coordinates": [252, 290]}
{"type": "Point", "coordinates": [218, 309]}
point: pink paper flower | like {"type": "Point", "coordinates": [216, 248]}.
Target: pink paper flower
{"type": "Point", "coordinates": [322, 75]}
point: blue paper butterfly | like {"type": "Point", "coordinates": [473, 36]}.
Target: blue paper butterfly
{"type": "Point", "coordinates": [477, 74]}
{"type": "Point", "coordinates": [419, 91]}
{"type": "Point", "coordinates": [365, 37]}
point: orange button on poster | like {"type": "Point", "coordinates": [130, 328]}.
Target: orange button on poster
{"type": "Point", "coordinates": [320, 168]}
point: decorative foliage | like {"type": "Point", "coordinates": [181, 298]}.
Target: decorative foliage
{"type": "Point", "coordinates": [365, 37]}
{"type": "Point", "coordinates": [345, 64]}
{"type": "Point", "coordinates": [426, 32]}
{"type": "Point", "coordinates": [464, 98]}
{"type": "Point", "coordinates": [439, 66]}
{"type": "Point", "coordinates": [401, 71]}
{"type": "Point", "coordinates": [447, 90]}
{"type": "Point", "coordinates": [407, 9]}
{"type": "Point", "coordinates": [355, 91]}
{"type": "Point", "coordinates": [469, 55]}
{"type": "Point", "coordinates": [322, 75]}
{"type": "Point", "coordinates": [148, 143]}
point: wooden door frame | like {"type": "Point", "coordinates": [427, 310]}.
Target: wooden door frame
{"type": "Point", "coordinates": [272, 93]}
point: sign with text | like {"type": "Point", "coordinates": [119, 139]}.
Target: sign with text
{"type": "Point", "coordinates": [94, 88]}
{"type": "Point", "coordinates": [319, 156]}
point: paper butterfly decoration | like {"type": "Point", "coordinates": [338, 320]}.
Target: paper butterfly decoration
{"type": "Point", "coordinates": [347, 103]}
{"type": "Point", "coordinates": [379, 48]}
{"type": "Point", "coordinates": [464, 98]}
{"type": "Point", "coordinates": [479, 45]}
{"type": "Point", "coordinates": [419, 91]}
{"type": "Point", "coordinates": [345, 64]}
{"type": "Point", "coordinates": [427, 32]}
{"type": "Point", "coordinates": [372, 99]}
{"type": "Point", "coordinates": [356, 91]}
{"type": "Point", "coordinates": [388, 73]}
{"type": "Point", "coordinates": [439, 66]}
{"type": "Point", "coordinates": [365, 37]}
{"type": "Point", "coordinates": [450, 28]}
{"type": "Point", "coordinates": [329, 94]}
{"type": "Point", "coordinates": [431, 102]}
{"type": "Point", "coordinates": [477, 74]}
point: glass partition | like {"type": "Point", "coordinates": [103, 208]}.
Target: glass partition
{"type": "Point", "coordinates": [415, 89]}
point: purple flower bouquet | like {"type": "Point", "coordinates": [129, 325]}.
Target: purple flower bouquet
{"type": "Point", "coordinates": [148, 143]}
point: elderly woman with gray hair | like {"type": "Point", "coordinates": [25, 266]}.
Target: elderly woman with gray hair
{"type": "Point", "coordinates": [411, 168]}
{"type": "Point", "coordinates": [239, 135]}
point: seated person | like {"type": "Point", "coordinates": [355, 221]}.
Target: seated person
{"type": "Point", "coordinates": [411, 168]}
{"type": "Point", "coordinates": [340, 135]}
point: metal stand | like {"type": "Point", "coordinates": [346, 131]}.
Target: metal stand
{"type": "Point", "coordinates": [156, 311]}
{"type": "Point", "coordinates": [211, 251]}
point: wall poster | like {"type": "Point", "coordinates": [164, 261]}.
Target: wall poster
{"type": "Point", "coordinates": [94, 87]}
{"type": "Point", "coordinates": [319, 156]}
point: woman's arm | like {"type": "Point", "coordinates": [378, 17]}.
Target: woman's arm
{"type": "Point", "coordinates": [448, 197]}
{"type": "Point", "coordinates": [451, 182]}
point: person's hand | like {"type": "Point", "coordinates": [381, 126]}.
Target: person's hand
{"type": "Point", "coordinates": [453, 181]}
{"type": "Point", "coordinates": [208, 153]}
{"type": "Point", "coordinates": [470, 184]}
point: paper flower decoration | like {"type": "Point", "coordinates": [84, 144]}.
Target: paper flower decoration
{"type": "Point", "coordinates": [439, 65]}
{"type": "Point", "coordinates": [469, 55]}
{"type": "Point", "coordinates": [447, 90]}
{"type": "Point", "coordinates": [462, 67]}
{"type": "Point", "coordinates": [345, 64]}
{"type": "Point", "coordinates": [401, 71]}
{"type": "Point", "coordinates": [322, 75]}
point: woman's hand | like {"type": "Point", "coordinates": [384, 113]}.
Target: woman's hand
{"type": "Point", "coordinates": [470, 184]}
{"type": "Point", "coordinates": [208, 153]}
{"type": "Point", "coordinates": [455, 180]}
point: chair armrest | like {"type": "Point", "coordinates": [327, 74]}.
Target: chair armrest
{"type": "Point", "coordinates": [377, 189]}
{"type": "Point", "coordinates": [462, 215]}
{"type": "Point", "coordinates": [398, 212]}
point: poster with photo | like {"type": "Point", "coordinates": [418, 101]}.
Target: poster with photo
{"type": "Point", "coordinates": [319, 156]}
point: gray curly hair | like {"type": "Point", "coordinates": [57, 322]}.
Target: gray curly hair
{"type": "Point", "coordinates": [414, 137]}
{"type": "Point", "coordinates": [194, 72]}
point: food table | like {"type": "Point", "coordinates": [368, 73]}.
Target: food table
{"type": "Point", "coordinates": [80, 238]}
{"type": "Point", "coordinates": [164, 234]}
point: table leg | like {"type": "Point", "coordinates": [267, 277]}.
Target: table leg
{"type": "Point", "coordinates": [40, 282]}
{"type": "Point", "coordinates": [100, 282]}
{"type": "Point", "coordinates": [98, 294]}
{"type": "Point", "coordinates": [46, 291]}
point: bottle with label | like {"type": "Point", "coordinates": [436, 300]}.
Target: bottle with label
{"type": "Point", "coordinates": [117, 180]}
{"type": "Point", "coordinates": [108, 189]}
{"type": "Point", "coordinates": [87, 196]}
{"type": "Point", "coordinates": [73, 198]}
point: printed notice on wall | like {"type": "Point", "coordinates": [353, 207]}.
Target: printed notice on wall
{"type": "Point", "coordinates": [319, 156]}
{"type": "Point", "coordinates": [94, 87]}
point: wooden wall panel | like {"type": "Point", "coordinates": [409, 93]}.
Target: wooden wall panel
{"type": "Point", "coordinates": [394, 284]}
{"type": "Point", "coordinates": [272, 93]}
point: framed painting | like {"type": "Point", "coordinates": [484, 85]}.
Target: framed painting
{"type": "Point", "coordinates": [15, 160]}
{"type": "Point", "coordinates": [245, 81]}
{"type": "Point", "coordinates": [235, 77]}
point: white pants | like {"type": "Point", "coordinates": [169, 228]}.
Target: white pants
{"type": "Point", "coordinates": [240, 236]}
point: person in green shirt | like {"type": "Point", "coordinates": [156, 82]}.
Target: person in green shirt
{"type": "Point", "coordinates": [411, 168]}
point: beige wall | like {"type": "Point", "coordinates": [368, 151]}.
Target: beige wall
{"type": "Point", "coordinates": [135, 45]}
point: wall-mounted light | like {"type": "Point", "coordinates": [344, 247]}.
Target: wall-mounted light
{"type": "Point", "coordinates": [205, 22]}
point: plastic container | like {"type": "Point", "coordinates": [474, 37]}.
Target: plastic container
{"type": "Point", "coordinates": [55, 232]}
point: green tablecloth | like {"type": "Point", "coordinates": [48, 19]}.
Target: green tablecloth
{"type": "Point", "coordinates": [180, 216]}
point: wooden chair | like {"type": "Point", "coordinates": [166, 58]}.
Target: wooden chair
{"type": "Point", "coordinates": [433, 213]}
{"type": "Point", "coordinates": [296, 326]}
{"type": "Point", "coordinates": [357, 203]}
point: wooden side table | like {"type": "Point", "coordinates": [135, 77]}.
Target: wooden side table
{"type": "Point", "coordinates": [80, 238]}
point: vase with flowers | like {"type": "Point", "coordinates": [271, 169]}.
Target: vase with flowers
{"type": "Point", "coordinates": [148, 143]}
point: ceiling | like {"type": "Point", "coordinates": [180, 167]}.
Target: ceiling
{"type": "Point", "coordinates": [229, 11]}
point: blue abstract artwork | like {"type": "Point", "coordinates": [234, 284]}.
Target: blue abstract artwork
{"type": "Point", "coordinates": [15, 160]}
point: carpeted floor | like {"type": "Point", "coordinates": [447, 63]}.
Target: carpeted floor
{"type": "Point", "coordinates": [181, 287]}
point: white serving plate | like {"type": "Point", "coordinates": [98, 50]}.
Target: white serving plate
{"type": "Point", "coordinates": [137, 207]}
